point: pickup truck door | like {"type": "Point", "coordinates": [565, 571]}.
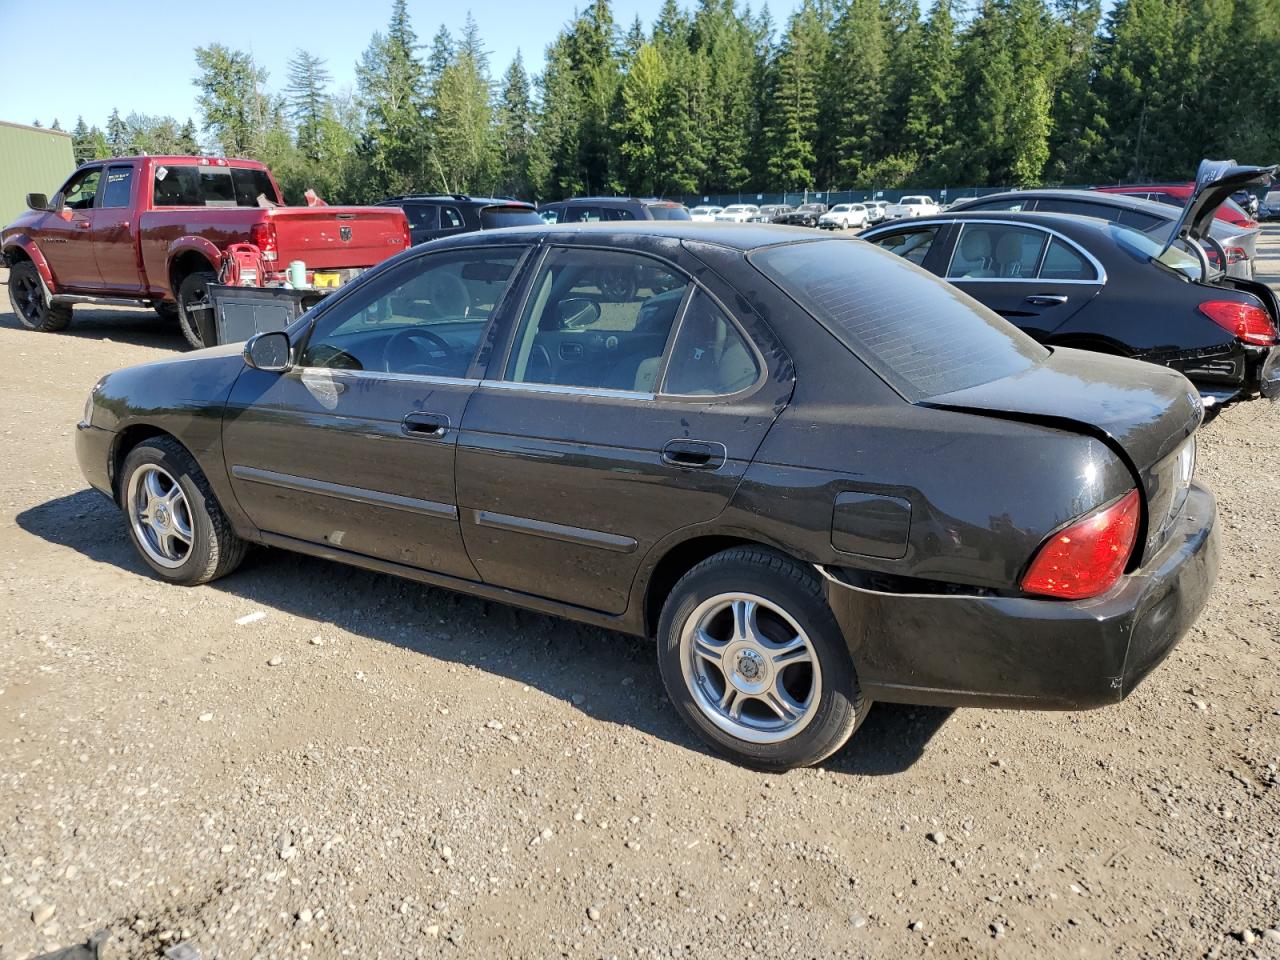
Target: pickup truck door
{"type": "Point", "coordinates": [353, 448]}
{"type": "Point", "coordinates": [114, 223]}
{"type": "Point", "coordinates": [65, 235]}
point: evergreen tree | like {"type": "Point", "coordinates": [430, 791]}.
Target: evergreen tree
{"type": "Point", "coordinates": [644, 101]}
{"type": "Point", "coordinates": [792, 105]}
{"type": "Point", "coordinates": [859, 85]}
{"type": "Point", "coordinates": [391, 82]}
{"type": "Point", "coordinates": [237, 111]}
{"type": "Point", "coordinates": [82, 144]}
{"type": "Point", "coordinates": [117, 134]}
{"type": "Point", "coordinates": [515, 135]}
{"type": "Point", "coordinates": [308, 100]}
{"type": "Point", "coordinates": [929, 130]}
{"type": "Point", "coordinates": [463, 151]}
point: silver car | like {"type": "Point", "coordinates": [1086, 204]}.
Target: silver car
{"type": "Point", "coordinates": [1239, 245]}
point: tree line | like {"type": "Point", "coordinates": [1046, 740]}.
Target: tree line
{"type": "Point", "coordinates": [720, 99]}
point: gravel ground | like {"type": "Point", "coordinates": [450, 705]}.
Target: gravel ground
{"type": "Point", "coordinates": [308, 760]}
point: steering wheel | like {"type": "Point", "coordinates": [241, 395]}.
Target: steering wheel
{"type": "Point", "coordinates": [431, 347]}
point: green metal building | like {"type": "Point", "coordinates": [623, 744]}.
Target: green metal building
{"type": "Point", "coordinates": [32, 160]}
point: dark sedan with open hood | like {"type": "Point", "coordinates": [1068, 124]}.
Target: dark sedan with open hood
{"type": "Point", "coordinates": [817, 475]}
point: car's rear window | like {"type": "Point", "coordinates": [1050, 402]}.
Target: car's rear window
{"type": "Point", "coordinates": [209, 186]}
{"type": "Point", "coordinates": [491, 218]}
{"type": "Point", "coordinates": [923, 336]}
{"type": "Point", "coordinates": [668, 211]}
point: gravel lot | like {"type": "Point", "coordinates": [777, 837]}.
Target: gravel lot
{"type": "Point", "coordinates": [309, 760]}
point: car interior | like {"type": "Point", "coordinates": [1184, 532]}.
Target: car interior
{"type": "Point", "coordinates": [913, 245]}
{"type": "Point", "coordinates": [989, 250]}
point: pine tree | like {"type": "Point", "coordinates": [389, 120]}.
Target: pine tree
{"type": "Point", "coordinates": [463, 152]}
{"type": "Point", "coordinates": [644, 101]}
{"type": "Point", "coordinates": [391, 82]}
{"type": "Point", "coordinates": [237, 111]}
{"type": "Point", "coordinates": [793, 106]}
{"type": "Point", "coordinates": [929, 131]}
{"type": "Point", "coordinates": [117, 134]}
{"type": "Point", "coordinates": [859, 81]}
{"type": "Point", "coordinates": [308, 100]}
{"type": "Point", "coordinates": [515, 134]}
{"type": "Point", "coordinates": [81, 144]}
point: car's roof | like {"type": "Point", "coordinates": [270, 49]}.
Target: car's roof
{"type": "Point", "coordinates": [1064, 222]}
{"type": "Point", "coordinates": [1093, 196]}
{"type": "Point", "coordinates": [738, 236]}
{"type": "Point", "coordinates": [451, 198]}
{"type": "Point", "coordinates": [650, 201]}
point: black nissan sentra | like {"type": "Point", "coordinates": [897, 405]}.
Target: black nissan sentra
{"type": "Point", "coordinates": [816, 474]}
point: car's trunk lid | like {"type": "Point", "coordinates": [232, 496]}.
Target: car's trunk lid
{"type": "Point", "coordinates": [1143, 411]}
{"type": "Point", "coordinates": [331, 238]}
{"type": "Point", "coordinates": [1216, 180]}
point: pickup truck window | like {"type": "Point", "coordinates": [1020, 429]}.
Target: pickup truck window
{"type": "Point", "coordinates": [200, 186]}
{"type": "Point", "coordinates": [79, 194]}
{"type": "Point", "coordinates": [119, 185]}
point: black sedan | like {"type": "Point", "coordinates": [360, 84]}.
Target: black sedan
{"type": "Point", "coordinates": [771, 450]}
{"type": "Point", "coordinates": [1094, 285]}
{"type": "Point", "coordinates": [805, 215]}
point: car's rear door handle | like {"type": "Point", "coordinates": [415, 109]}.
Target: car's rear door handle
{"type": "Point", "coordinates": [1047, 299]}
{"type": "Point", "coordinates": [695, 454]}
{"type": "Point", "coordinates": [425, 426]}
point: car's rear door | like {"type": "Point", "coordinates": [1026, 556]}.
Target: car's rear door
{"type": "Point", "coordinates": [628, 405]}
{"type": "Point", "coordinates": [114, 229]}
{"type": "Point", "coordinates": [1034, 277]}
{"type": "Point", "coordinates": [353, 448]}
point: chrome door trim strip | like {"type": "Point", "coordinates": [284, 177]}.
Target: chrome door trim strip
{"type": "Point", "coordinates": [567, 390]}
{"type": "Point", "coordinates": [374, 498]}
{"type": "Point", "coordinates": [556, 531]}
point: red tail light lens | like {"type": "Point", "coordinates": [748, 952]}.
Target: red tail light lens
{"type": "Point", "coordinates": [1236, 254]}
{"type": "Point", "coordinates": [1088, 557]}
{"type": "Point", "coordinates": [263, 236]}
{"type": "Point", "coordinates": [408, 236]}
{"type": "Point", "coordinates": [1250, 323]}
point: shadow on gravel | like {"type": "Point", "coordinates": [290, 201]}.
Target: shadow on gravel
{"type": "Point", "coordinates": [610, 676]}
{"type": "Point", "coordinates": [142, 328]}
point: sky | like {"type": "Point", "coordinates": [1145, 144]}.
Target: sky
{"type": "Point", "coordinates": [70, 58]}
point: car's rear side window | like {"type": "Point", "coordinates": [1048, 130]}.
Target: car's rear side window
{"type": "Point", "coordinates": [491, 218]}
{"type": "Point", "coordinates": [662, 211]}
{"type": "Point", "coordinates": [923, 336]}
{"type": "Point", "coordinates": [207, 186]}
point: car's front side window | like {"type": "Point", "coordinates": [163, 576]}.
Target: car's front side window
{"type": "Point", "coordinates": [425, 317]}
{"type": "Point", "coordinates": [79, 194]}
{"type": "Point", "coordinates": [911, 245]}
{"type": "Point", "coordinates": [596, 318]}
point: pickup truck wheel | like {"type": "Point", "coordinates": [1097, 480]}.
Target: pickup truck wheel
{"type": "Point", "coordinates": [174, 519]}
{"type": "Point", "coordinates": [193, 300]}
{"type": "Point", "coordinates": [31, 302]}
{"type": "Point", "coordinates": [166, 311]}
{"type": "Point", "coordinates": [754, 662]}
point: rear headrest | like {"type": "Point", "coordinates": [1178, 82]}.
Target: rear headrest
{"type": "Point", "coordinates": [976, 245]}
{"type": "Point", "coordinates": [1009, 248]}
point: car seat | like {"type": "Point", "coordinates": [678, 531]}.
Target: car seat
{"type": "Point", "coordinates": [975, 249]}
{"type": "Point", "coordinates": [1009, 254]}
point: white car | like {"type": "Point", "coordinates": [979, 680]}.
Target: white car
{"type": "Point", "coordinates": [737, 213]}
{"type": "Point", "coordinates": [912, 207]}
{"type": "Point", "coordinates": [843, 216]}
{"type": "Point", "coordinates": [877, 210]}
{"type": "Point", "coordinates": [705, 214]}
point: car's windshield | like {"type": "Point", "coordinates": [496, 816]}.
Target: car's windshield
{"type": "Point", "coordinates": [923, 336]}
{"type": "Point", "coordinates": [1144, 246]}
{"type": "Point", "coordinates": [810, 207]}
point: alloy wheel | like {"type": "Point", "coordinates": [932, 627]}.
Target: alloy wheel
{"type": "Point", "coordinates": [750, 667]}
{"type": "Point", "coordinates": [30, 299]}
{"type": "Point", "coordinates": [160, 515]}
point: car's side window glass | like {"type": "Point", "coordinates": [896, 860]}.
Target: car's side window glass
{"type": "Point", "coordinates": [422, 216]}
{"type": "Point", "coordinates": [425, 317]}
{"type": "Point", "coordinates": [710, 356]}
{"type": "Point", "coordinates": [618, 213]}
{"type": "Point", "coordinates": [119, 183]}
{"type": "Point", "coordinates": [912, 245]}
{"type": "Point", "coordinates": [1139, 220]}
{"type": "Point", "coordinates": [551, 215]}
{"type": "Point", "coordinates": [581, 215]}
{"type": "Point", "coordinates": [596, 318]}
{"type": "Point", "coordinates": [80, 192]}
{"type": "Point", "coordinates": [1063, 262]}
{"type": "Point", "coordinates": [1079, 208]}
{"type": "Point", "coordinates": [1009, 204]}
{"type": "Point", "coordinates": [993, 250]}
{"type": "Point", "coordinates": [450, 218]}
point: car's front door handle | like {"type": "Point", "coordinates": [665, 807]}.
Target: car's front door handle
{"type": "Point", "coordinates": [425, 426]}
{"type": "Point", "coordinates": [83, 224]}
{"type": "Point", "coordinates": [695, 454]}
{"type": "Point", "coordinates": [1047, 299]}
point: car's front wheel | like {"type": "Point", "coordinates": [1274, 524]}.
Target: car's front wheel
{"type": "Point", "coordinates": [175, 521]}
{"type": "Point", "coordinates": [31, 302]}
{"type": "Point", "coordinates": [755, 663]}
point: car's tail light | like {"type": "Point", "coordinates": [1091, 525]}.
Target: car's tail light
{"type": "Point", "coordinates": [1088, 557]}
{"type": "Point", "coordinates": [408, 235]}
{"type": "Point", "coordinates": [263, 236]}
{"type": "Point", "coordinates": [1247, 321]}
{"type": "Point", "coordinates": [1236, 254]}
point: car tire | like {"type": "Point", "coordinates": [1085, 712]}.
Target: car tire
{"type": "Point", "coordinates": [173, 516]}
{"type": "Point", "coordinates": [783, 663]}
{"type": "Point", "coordinates": [31, 303]}
{"type": "Point", "coordinates": [192, 292]}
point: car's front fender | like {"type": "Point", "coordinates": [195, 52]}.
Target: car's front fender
{"type": "Point", "coordinates": [31, 251]}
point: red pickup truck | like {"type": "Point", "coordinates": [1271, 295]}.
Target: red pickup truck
{"type": "Point", "coordinates": [156, 230]}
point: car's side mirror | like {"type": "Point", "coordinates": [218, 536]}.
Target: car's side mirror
{"type": "Point", "coordinates": [577, 312]}
{"type": "Point", "coordinates": [38, 202]}
{"type": "Point", "coordinates": [269, 352]}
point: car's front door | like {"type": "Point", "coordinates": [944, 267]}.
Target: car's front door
{"type": "Point", "coordinates": [353, 448]}
{"type": "Point", "coordinates": [112, 231]}
{"type": "Point", "coordinates": [66, 234]}
{"type": "Point", "coordinates": [1034, 278]}
{"type": "Point", "coordinates": [629, 405]}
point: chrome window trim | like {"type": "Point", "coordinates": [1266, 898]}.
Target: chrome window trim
{"type": "Point", "coordinates": [385, 375]}
{"type": "Point", "coordinates": [567, 390]}
{"type": "Point", "coordinates": [1089, 257]}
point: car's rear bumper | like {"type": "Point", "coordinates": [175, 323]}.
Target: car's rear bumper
{"type": "Point", "coordinates": [93, 453]}
{"type": "Point", "coordinates": [1030, 653]}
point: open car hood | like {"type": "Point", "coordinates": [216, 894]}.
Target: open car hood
{"type": "Point", "coordinates": [1216, 181]}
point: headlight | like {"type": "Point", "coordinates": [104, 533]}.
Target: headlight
{"type": "Point", "coordinates": [1187, 462]}
{"type": "Point", "coordinates": [87, 417]}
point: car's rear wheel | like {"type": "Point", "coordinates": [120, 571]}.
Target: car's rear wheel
{"type": "Point", "coordinates": [193, 303]}
{"type": "Point", "coordinates": [174, 519]}
{"type": "Point", "coordinates": [755, 663]}
{"type": "Point", "coordinates": [31, 302]}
